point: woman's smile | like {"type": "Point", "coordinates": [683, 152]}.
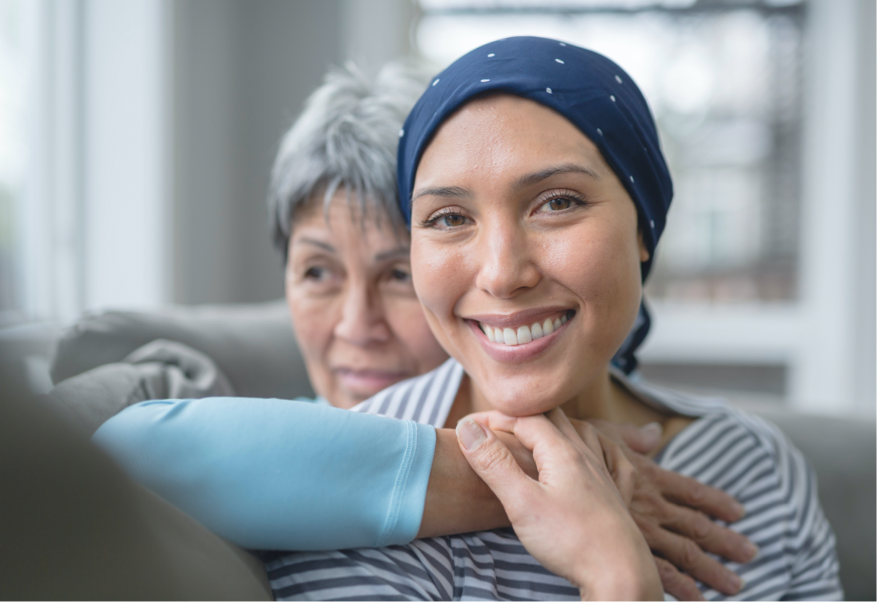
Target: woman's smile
{"type": "Point", "coordinates": [519, 337]}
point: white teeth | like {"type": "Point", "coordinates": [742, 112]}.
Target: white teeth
{"type": "Point", "coordinates": [547, 327]}
{"type": "Point", "coordinates": [524, 336]}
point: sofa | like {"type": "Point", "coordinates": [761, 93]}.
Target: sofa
{"type": "Point", "coordinates": [249, 350]}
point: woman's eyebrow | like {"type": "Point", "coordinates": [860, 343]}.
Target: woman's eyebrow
{"type": "Point", "coordinates": [317, 243]}
{"type": "Point", "coordinates": [398, 252]}
{"type": "Point", "coordinates": [533, 178]}
{"type": "Point", "coordinates": [454, 192]}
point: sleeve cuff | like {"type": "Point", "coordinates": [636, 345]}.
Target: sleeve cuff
{"type": "Point", "coordinates": [409, 491]}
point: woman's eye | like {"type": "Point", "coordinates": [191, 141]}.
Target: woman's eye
{"type": "Point", "coordinates": [451, 221]}
{"type": "Point", "coordinates": [445, 219]}
{"type": "Point", "coordinates": [316, 273]}
{"type": "Point", "coordinates": [560, 203]}
{"type": "Point", "coordinates": [400, 275]}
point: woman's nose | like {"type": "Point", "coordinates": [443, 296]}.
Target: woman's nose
{"type": "Point", "coordinates": [507, 261]}
{"type": "Point", "coordinates": [362, 320]}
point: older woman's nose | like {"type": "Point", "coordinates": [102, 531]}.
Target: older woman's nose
{"type": "Point", "coordinates": [362, 320]}
{"type": "Point", "coordinates": [506, 261]}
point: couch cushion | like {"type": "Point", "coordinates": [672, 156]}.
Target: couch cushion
{"type": "Point", "coordinates": [252, 344]}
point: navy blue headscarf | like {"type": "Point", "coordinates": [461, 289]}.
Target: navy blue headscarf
{"type": "Point", "coordinates": [592, 92]}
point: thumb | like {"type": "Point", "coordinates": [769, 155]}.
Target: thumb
{"type": "Point", "coordinates": [493, 462]}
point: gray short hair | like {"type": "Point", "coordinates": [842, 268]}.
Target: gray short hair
{"type": "Point", "coordinates": [346, 136]}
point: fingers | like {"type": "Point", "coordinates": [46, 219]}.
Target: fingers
{"type": "Point", "coordinates": [584, 431]}
{"type": "Point", "coordinates": [494, 463]}
{"type": "Point", "coordinates": [688, 556]}
{"type": "Point", "coordinates": [681, 587]}
{"type": "Point", "coordinates": [688, 492]}
{"type": "Point", "coordinates": [495, 421]}
{"type": "Point", "coordinates": [620, 469]}
{"type": "Point", "coordinates": [642, 439]}
{"type": "Point", "coordinates": [710, 536]}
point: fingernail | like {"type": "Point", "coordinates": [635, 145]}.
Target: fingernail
{"type": "Point", "coordinates": [471, 434]}
{"type": "Point", "coordinates": [652, 432]}
{"type": "Point", "coordinates": [735, 584]}
{"type": "Point", "coordinates": [751, 550]}
{"type": "Point", "coordinates": [740, 510]}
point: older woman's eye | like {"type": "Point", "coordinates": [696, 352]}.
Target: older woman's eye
{"type": "Point", "coordinates": [316, 273]}
{"type": "Point", "coordinates": [400, 275]}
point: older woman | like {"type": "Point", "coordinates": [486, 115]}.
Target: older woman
{"type": "Point", "coordinates": [361, 329]}
{"type": "Point", "coordinates": [532, 177]}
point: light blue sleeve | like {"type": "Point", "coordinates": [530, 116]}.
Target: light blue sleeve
{"type": "Point", "coordinates": [272, 474]}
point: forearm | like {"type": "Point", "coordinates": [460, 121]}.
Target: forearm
{"type": "Point", "coordinates": [457, 500]}
{"type": "Point", "coordinates": [273, 474]}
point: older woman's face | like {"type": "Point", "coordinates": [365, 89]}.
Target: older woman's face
{"type": "Point", "coordinates": [355, 315]}
{"type": "Point", "coordinates": [523, 233]}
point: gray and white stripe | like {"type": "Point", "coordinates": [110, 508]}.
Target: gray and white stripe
{"type": "Point", "coordinates": [725, 448]}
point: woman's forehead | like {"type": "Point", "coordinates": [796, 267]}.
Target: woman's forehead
{"type": "Point", "coordinates": [345, 227]}
{"type": "Point", "coordinates": [502, 130]}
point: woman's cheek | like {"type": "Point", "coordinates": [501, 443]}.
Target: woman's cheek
{"type": "Point", "coordinates": [433, 274]}
{"type": "Point", "coordinates": [311, 324]}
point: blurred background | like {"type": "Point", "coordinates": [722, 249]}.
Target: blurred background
{"type": "Point", "coordinates": [137, 137]}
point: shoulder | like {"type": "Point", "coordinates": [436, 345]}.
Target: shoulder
{"type": "Point", "coordinates": [751, 459]}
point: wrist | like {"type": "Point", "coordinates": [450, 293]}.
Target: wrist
{"type": "Point", "coordinates": [623, 573]}
{"type": "Point", "coordinates": [619, 585]}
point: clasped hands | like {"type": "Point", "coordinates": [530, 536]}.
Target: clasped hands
{"type": "Point", "coordinates": [564, 492]}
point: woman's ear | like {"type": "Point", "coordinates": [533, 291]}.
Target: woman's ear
{"type": "Point", "coordinates": [644, 254]}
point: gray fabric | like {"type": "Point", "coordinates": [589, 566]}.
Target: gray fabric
{"type": "Point", "coordinates": [252, 345]}
{"type": "Point", "coordinates": [161, 369]}
{"type": "Point", "coordinates": [74, 527]}
{"type": "Point", "coordinates": [842, 452]}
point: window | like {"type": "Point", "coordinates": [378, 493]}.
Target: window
{"type": "Point", "coordinates": [16, 71]}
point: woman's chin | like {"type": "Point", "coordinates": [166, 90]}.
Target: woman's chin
{"type": "Point", "coordinates": [522, 403]}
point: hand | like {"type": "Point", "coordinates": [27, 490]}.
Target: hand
{"type": "Point", "coordinates": [672, 512]}
{"type": "Point", "coordinates": [572, 519]}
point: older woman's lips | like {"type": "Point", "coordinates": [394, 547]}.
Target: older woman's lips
{"type": "Point", "coordinates": [368, 381]}
{"type": "Point", "coordinates": [519, 343]}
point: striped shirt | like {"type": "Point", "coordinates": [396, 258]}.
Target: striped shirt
{"type": "Point", "coordinates": [725, 448]}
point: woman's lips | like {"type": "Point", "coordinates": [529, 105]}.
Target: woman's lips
{"type": "Point", "coordinates": [368, 381]}
{"type": "Point", "coordinates": [515, 343]}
